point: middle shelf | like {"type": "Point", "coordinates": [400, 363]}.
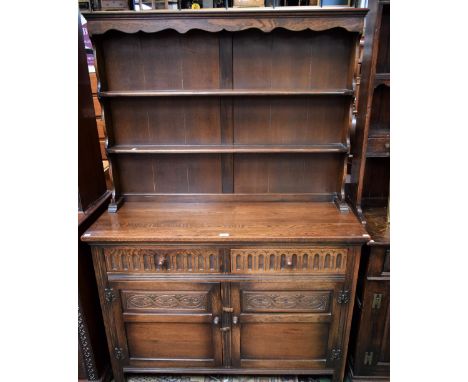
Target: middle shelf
{"type": "Point", "coordinates": [226, 149]}
{"type": "Point", "coordinates": [224, 92]}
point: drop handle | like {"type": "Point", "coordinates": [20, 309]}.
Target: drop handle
{"type": "Point", "coordinates": [216, 320]}
{"type": "Point", "coordinates": [162, 261]}
{"type": "Point", "coordinates": [235, 320]}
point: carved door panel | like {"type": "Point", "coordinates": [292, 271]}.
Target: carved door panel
{"type": "Point", "coordinates": [285, 325]}
{"type": "Point", "coordinates": [169, 324]}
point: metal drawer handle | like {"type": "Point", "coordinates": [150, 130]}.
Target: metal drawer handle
{"type": "Point", "coordinates": [162, 261]}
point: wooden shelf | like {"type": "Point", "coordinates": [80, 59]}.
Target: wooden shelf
{"type": "Point", "coordinates": [226, 149]}
{"type": "Point", "coordinates": [382, 76]}
{"type": "Point", "coordinates": [377, 155]}
{"type": "Point", "coordinates": [224, 93]}
{"type": "Point", "coordinates": [382, 79]}
{"type": "Point", "coordinates": [377, 131]}
{"type": "Point", "coordinates": [378, 225]}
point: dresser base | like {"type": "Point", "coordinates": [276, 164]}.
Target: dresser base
{"type": "Point", "coordinates": [230, 371]}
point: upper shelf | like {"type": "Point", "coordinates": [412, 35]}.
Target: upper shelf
{"type": "Point", "coordinates": [223, 92]}
{"type": "Point", "coordinates": [232, 20]}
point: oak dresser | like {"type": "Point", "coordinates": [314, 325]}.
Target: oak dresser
{"type": "Point", "coordinates": [228, 246]}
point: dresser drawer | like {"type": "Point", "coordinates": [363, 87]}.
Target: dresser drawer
{"type": "Point", "coordinates": [142, 260]}
{"type": "Point", "coordinates": [289, 260]}
{"type": "Point", "coordinates": [378, 146]}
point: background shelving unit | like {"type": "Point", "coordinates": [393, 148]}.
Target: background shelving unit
{"type": "Point", "coordinates": [369, 193]}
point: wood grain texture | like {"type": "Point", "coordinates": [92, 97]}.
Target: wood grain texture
{"type": "Point", "coordinates": [244, 222]}
{"type": "Point", "coordinates": [216, 20]}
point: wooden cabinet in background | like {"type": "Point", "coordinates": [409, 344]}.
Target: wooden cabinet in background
{"type": "Point", "coordinates": [228, 247]}
{"type": "Point", "coordinates": [369, 193]}
{"type": "Point", "coordinates": [93, 356]}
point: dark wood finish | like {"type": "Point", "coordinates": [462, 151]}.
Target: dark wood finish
{"type": "Point", "coordinates": [93, 359]}
{"type": "Point", "coordinates": [91, 183]}
{"type": "Point", "coordinates": [370, 352]}
{"type": "Point", "coordinates": [372, 136]}
{"type": "Point", "coordinates": [243, 221]}
{"type": "Point", "coordinates": [236, 104]}
{"type": "Point", "coordinates": [216, 20]}
{"type": "Point", "coordinates": [369, 192]}
{"type": "Point", "coordinates": [228, 137]}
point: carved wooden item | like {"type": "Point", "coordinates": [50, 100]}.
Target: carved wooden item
{"type": "Point", "coordinates": [228, 142]}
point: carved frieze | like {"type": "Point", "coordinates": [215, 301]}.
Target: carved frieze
{"type": "Point", "coordinates": [141, 260]}
{"type": "Point", "coordinates": [300, 260]}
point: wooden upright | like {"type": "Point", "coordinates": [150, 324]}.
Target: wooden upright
{"type": "Point", "coordinates": [369, 193]}
{"type": "Point", "coordinates": [228, 247]}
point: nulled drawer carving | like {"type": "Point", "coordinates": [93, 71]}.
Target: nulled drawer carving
{"type": "Point", "coordinates": [289, 301]}
{"type": "Point", "coordinates": [165, 301]}
{"type": "Point", "coordinates": [321, 260]}
{"type": "Point", "coordinates": [162, 261]}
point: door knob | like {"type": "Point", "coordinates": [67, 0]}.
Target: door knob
{"type": "Point", "coordinates": [162, 261]}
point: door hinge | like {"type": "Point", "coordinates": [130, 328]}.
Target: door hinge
{"type": "Point", "coordinates": [377, 301]}
{"type": "Point", "coordinates": [109, 295]}
{"type": "Point", "coordinates": [368, 358]}
{"type": "Point", "coordinates": [118, 354]}
{"type": "Point", "coordinates": [335, 354]}
{"type": "Point", "coordinates": [343, 296]}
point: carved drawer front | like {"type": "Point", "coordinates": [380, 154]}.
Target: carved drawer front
{"type": "Point", "coordinates": [300, 260]}
{"type": "Point", "coordinates": [163, 260]}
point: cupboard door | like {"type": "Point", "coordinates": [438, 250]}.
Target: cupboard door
{"type": "Point", "coordinates": [284, 325]}
{"type": "Point", "coordinates": [170, 324]}
{"type": "Point", "coordinates": [373, 347]}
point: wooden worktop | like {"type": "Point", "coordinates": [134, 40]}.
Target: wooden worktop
{"type": "Point", "coordinates": [227, 222]}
